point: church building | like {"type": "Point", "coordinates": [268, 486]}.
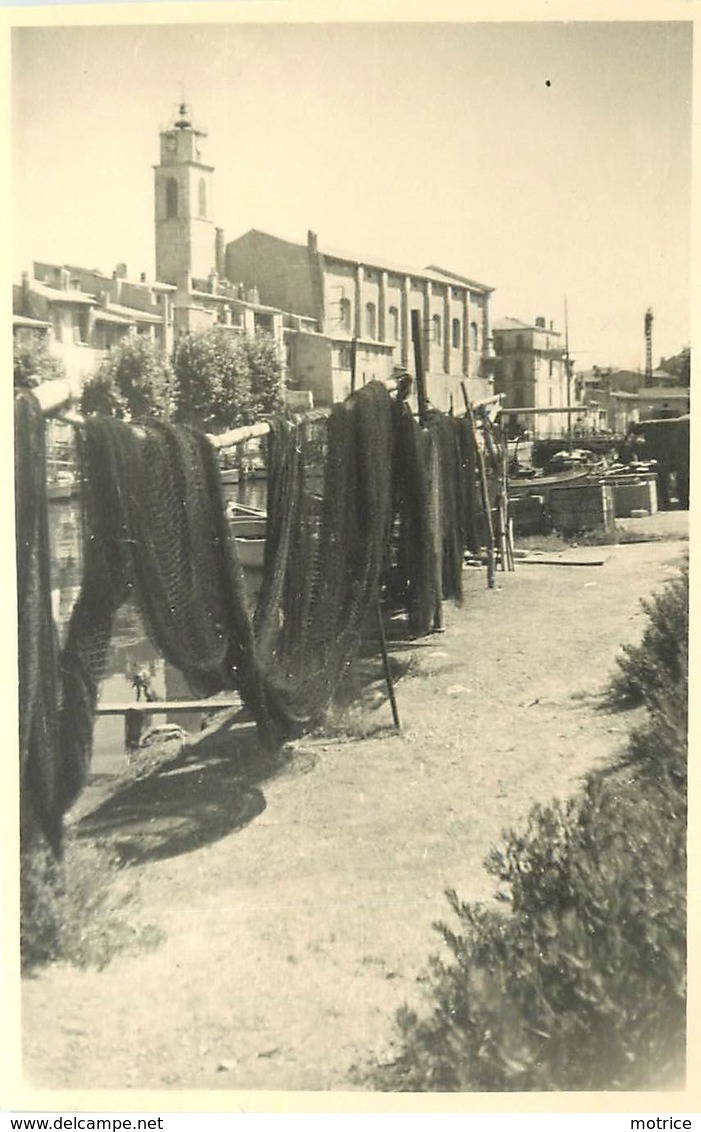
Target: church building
{"type": "Point", "coordinates": [338, 319]}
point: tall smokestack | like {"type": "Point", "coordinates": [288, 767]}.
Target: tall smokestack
{"type": "Point", "coordinates": [648, 346]}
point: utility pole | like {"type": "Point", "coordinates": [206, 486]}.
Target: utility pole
{"type": "Point", "coordinates": [568, 371]}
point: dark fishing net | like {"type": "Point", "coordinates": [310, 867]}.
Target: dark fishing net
{"type": "Point", "coordinates": [397, 508]}
{"type": "Point", "coordinates": [39, 684]}
{"type": "Point", "coordinates": [398, 511]}
{"type": "Point", "coordinates": [155, 526]}
{"type": "Point", "coordinates": [322, 570]}
{"type": "Point", "coordinates": [413, 582]}
{"type": "Point", "coordinates": [437, 511]}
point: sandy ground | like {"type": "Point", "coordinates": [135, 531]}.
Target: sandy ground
{"type": "Point", "coordinates": [297, 902]}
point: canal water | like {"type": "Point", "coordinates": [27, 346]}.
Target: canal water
{"type": "Point", "coordinates": [131, 651]}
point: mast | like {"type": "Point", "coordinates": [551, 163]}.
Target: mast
{"type": "Point", "coordinates": [568, 371]}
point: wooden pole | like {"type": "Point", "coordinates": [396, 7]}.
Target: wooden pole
{"type": "Point", "coordinates": [354, 358]}
{"type": "Point", "coordinates": [505, 496]}
{"type": "Point", "coordinates": [491, 570]}
{"type": "Point", "coordinates": [53, 395]}
{"type": "Point", "coordinates": [419, 365]}
{"type": "Point", "coordinates": [262, 428]}
{"type": "Point", "coordinates": [386, 668]}
{"type": "Point", "coordinates": [493, 450]}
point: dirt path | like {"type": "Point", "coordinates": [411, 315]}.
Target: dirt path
{"type": "Point", "coordinates": [303, 919]}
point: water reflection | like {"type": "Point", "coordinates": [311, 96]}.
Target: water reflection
{"type": "Point", "coordinates": [131, 651]}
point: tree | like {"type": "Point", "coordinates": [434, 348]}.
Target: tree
{"type": "Point", "coordinates": [267, 382]}
{"type": "Point", "coordinates": [134, 380]}
{"type": "Point", "coordinates": [32, 360]}
{"type": "Point", "coordinates": [213, 380]}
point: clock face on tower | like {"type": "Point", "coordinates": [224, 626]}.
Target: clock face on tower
{"type": "Point", "coordinates": [171, 144]}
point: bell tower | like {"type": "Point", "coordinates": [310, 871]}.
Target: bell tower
{"type": "Point", "coordinates": [185, 234]}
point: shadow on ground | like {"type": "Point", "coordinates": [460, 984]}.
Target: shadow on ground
{"type": "Point", "coordinates": [206, 792]}
{"type": "Point", "coordinates": [212, 787]}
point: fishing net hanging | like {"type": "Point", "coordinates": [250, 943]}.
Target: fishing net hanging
{"type": "Point", "coordinates": [397, 509]}
{"type": "Point", "coordinates": [324, 557]}
{"type": "Point", "coordinates": [41, 767]}
{"type": "Point", "coordinates": [155, 527]}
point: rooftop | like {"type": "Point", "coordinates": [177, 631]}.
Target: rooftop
{"type": "Point", "coordinates": [435, 274]}
{"type": "Point", "coordinates": [59, 295]}
{"type": "Point", "coordinates": [32, 323]}
{"type": "Point", "coordinates": [516, 324]}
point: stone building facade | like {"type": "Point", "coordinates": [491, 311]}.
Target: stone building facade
{"type": "Point", "coordinates": [329, 311]}
{"type": "Point", "coordinates": [331, 314]}
{"type": "Point", "coordinates": [82, 313]}
{"type": "Point", "coordinates": [363, 307]}
{"type": "Point", "coordinates": [530, 370]}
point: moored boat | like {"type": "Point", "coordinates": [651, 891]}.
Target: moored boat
{"type": "Point", "coordinates": [248, 525]}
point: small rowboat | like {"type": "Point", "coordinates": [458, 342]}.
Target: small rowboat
{"type": "Point", "coordinates": [248, 526]}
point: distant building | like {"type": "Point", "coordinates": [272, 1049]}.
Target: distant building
{"type": "Point", "coordinates": [82, 313]}
{"type": "Point", "coordinates": [530, 371]}
{"type": "Point", "coordinates": [364, 305]}
{"type": "Point", "coordinates": [623, 397]}
{"type": "Point", "coordinates": [328, 310]}
{"type": "Point", "coordinates": [658, 401]}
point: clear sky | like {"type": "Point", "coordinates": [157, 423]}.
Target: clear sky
{"type": "Point", "coordinates": [545, 159]}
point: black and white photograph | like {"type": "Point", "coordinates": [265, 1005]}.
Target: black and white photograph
{"type": "Point", "coordinates": [351, 384]}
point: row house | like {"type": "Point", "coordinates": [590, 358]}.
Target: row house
{"type": "Point", "coordinates": [82, 313]}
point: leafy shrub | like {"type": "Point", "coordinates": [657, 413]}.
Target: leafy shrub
{"type": "Point", "coordinates": [213, 380]}
{"type": "Point", "coordinates": [659, 664]}
{"type": "Point", "coordinates": [71, 911]}
{"type": "Point", "coordinates": [267, 382]}
{"type": "Point", "coordinates": [134, 380]}
{"type": "Point", "coordinates": [582, 985]}
{"type": "Point", "coordinates": [32, 362]}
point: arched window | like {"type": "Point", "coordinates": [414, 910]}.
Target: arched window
{"type": "Point", "coordinates": [437, 328]}
{"type": "Point", "coordinates": [345, 315]}
{"type": "Point", "coordinates": [370, 320]}
{"type": "Point", "coordinates": [202, 198]}
{"type": "Point", "coordinates": [393, 324]}
{"type": "Point", "coordinates": [171, 197]}
{"type": "Point", "coordinates": [474, 336]}
{"type": "Point", "coordinates": [455, 337]}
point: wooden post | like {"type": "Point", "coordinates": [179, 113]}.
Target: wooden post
{"type": "Point", "coordinates": [419, 364]}
{"type": "Point", "coordinates": [491, 570]}
{"type": "Point", "coordinates": [354, 354]}
{"type": "Point", "coordinates": [505, 496]}
{"type": "Point", "coordinates": [134, 723]}
{"type": "Point", "coordinates": [493, 450]}
{"type": "Point", "coordinates": [385, 665]}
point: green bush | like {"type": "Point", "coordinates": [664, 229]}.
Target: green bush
{"type": "Point", "coordinates": [33, 362]}
{"type": "Point", "coordinates": [134, 380]}
{"type": "Point", "coordinates": [267, 381]}
{"type": "Point", "coordinates": [71, 910]}
{"type": "Point", "coordinates": [213, 380]}
{"type": "Point", "coordinates": [659, 663]}
{"type": "Point", "coordinates": [582, 984]}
